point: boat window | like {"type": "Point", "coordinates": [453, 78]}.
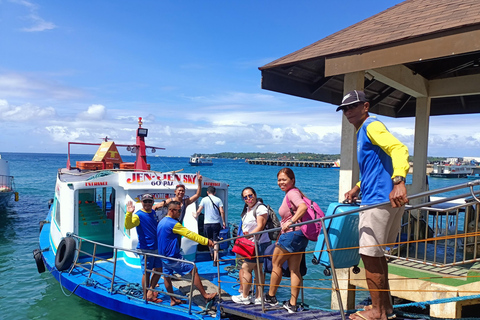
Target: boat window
{"type": "Point", "coordinates": [122, 215]}
{"type": "Point", "coordinates": [57, 212]}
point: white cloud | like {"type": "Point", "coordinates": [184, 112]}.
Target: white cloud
{"type": "Point", "coordinates": [94, 112]}
{"type": "Point", "coordinates": [38, 24]}
{"type": "Point", "coordinates": [30, 87]}
{"type": "Point", "coordinates": [24, 113]}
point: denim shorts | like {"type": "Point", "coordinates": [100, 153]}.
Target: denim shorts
{"type": "Point", "coordinates": [293, 241]}
{"type": "Point", "coordinates": [152, 262]}
{"type": "Point", "coordinates": [261, 251]}
{"type": "Point", "coordinates": [180, 267]}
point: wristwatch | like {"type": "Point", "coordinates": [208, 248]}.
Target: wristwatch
{"type": "Point", "coordinates": [398, 179]}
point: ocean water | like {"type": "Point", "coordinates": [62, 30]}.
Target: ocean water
{"type": "Point", "coordinates": [26, 294]}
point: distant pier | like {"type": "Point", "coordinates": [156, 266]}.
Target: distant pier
{"type": "Point", "coordinates": [293, 163]}
{"type": "Point", "coordinates": [313, 164]}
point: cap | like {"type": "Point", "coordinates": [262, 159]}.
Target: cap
{"type": "Point", "coordinates": [352, 97]}
{"type": "Point", "coordinates": [146, 196]}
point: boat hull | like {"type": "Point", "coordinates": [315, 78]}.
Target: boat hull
{"type": "Point", "coordinates": [6, 198]}
{"type": "Point", "coordinates": [196, 164]}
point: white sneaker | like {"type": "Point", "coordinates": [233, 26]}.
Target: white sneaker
{"type": "Point", "coordinates": [240, 299]}
{"type": "Point", "coordinates": [257, 301]}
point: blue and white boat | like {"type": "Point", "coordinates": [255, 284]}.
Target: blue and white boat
{"type": "Point", "coordinates": [200, 161]}
{"type": "Point", "coordinates": [85, 246]}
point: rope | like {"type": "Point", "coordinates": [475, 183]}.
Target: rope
{"type": "Point", "coordinates": [100, 174]}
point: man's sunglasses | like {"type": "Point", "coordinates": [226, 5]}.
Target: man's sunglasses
{"type": "Point", "coordinates": [249, 196]}
{"type": "Point", "coordinates": [352, 106]}
{"type": "Point", "coordinates": [147, 201]}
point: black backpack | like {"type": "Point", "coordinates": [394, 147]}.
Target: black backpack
{"type": "Point", "coordinates": [272, 222]}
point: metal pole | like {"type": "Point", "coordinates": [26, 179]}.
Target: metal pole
{"type": "Point", "coordinates": [334, 273]}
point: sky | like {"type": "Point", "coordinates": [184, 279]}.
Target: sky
{"type": "Point", "coordinates": [82, 70]}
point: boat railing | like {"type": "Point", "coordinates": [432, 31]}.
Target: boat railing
{"type": "Point", "coordinates": [94, 258]}
{"type": "Point", "coordinates": [409, 216]}
{"type": "Point", "coordinates": [6, 183]}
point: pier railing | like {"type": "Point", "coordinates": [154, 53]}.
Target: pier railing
{"type": "Point", "coordinates": [441, 232]}
{"type": "Point", "coordinates": [418, 234]}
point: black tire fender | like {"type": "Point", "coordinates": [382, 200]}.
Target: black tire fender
{"type": "Point", "coordinates": [37, 255]}
{"type": "Point", "coordinates": [65, 254]}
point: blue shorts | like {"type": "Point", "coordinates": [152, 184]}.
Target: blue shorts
{"type": "Point", "coordinates": [261, 251]}
{"type": "Point", "coordinates": [180, 267]}
{"type": "Point", "coordinates": [152, 262]}
{"type": "Point", "coordinates": [293, 241]}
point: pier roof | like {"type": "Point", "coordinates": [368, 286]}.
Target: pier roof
{"type": "Point", "coordinates": [416, 49]}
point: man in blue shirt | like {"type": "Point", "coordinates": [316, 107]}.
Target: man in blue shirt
{"type": "Point", "coordinates": [145, 220]}
{"type": "Point", "coordinates": [383, 163]}
{"type": "Point", "coordinates": [169, 246]}
{"type": "Point", "coordinates": [214, 218]}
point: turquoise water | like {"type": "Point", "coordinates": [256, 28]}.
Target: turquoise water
{"type": "Point", "coordinates": [25, 294]}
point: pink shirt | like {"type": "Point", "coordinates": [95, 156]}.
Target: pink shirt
{"type": "Point", "coordinates": [295, 198]}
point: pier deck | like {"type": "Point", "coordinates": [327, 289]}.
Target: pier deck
{"type": "Point", "coordinates": [279, 313]}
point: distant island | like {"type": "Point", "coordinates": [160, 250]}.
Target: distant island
{"type": "Point", "coordinates": [301, 156]}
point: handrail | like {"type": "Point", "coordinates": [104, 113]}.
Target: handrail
{"type": "Point", "coordinates": [146, 254]}
{"type": "Point", "coordinates": [411, 197]}
{"type": "Point", "coordinates": [469, 184]}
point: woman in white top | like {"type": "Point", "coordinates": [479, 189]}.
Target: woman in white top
{"type": "Point", "coordinates": [254, 217]}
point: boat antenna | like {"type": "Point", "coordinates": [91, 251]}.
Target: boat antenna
{"type": "Point", "coordinates": [141, 161]}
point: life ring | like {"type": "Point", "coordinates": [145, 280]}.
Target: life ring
{"type": "Point", "coordinates": [65, 254]}
{"type": "Point", "coordinates": [37, 255]}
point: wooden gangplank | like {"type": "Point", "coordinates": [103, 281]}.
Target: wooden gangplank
{"type": "Point", "coordinates": [254, 312]}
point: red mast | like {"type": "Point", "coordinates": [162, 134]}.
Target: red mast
{"type": "Point", "coordinates": [141, 161]}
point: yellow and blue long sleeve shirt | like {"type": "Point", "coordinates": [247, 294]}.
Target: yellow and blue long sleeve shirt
{"type": "Point", "coordinates": [380, 157]}
{"type": "Point", "coordinates": [168, 240]}
{"type": "Point", "coordinates": [146, 224]}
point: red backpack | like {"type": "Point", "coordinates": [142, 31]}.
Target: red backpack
{"type": "Point", "coordinates": [311, 230]}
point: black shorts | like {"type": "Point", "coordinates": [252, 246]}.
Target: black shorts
{"type": "Point", "coordinates": [212, 230]}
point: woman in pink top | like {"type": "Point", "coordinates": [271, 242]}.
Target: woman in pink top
{"type": "Point", "coordinates": [291, 243]}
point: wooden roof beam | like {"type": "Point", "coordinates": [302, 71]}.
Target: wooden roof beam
{"type": "Point", "coordinates": [455, 86]}
{"type": "Point", "coordinates": [434, 46]}
{"type": "Point", "coordinates": [403, 79]}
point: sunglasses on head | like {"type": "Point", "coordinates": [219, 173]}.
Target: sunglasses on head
{"type": "Point", "coordinates": [147, 201]}
{"type": "Point", "coordinates": [248, 196]}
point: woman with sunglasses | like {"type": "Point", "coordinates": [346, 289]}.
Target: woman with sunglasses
{"type": "Point", "coordinates": [291, 243]}
{"type": "Point", "coordinates": [254, 217]}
